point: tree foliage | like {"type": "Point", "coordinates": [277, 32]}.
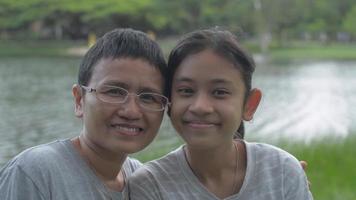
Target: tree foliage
{"type": "Point", "coordinates": [282, 19]}
{"type": "Point", "coordinates": [349, 22]}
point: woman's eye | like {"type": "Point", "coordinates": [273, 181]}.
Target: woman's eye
{"type": "Point", "coordinates": [148, 98]}
{"type": "Point", "coordinates": [115, 92]}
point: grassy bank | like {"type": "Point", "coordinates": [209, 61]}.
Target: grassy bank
{"type": "Point", "coordinates": [332, 167]}
{"type": "Point", "coordinates": [301, 50]}
{"type": "Point", "coordinates": [39, 48]}
{"type": "Point", "coordinates": [295, 50]}
{"type": "Point", "coordinates": [291, 51]}
{"type": "Point", "coordinates": [315, 52]}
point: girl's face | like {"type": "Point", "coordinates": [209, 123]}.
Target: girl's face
{"type": "Point", "coordinates": [207, 100]}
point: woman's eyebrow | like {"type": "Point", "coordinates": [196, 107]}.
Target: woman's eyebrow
{"type": "Point", "coordinates": [150, 90]}
{"type": "Point", "coordinates": [116, 84]}
{"type": "Point", "coordinates": [139, 90]}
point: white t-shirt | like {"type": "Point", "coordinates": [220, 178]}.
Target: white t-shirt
{"type": "Point", "coordinates": [271, 174]}
{"type": "Point", "coordinates": [55, 171]}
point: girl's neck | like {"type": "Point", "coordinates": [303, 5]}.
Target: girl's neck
{"type": "Point", "coordinates": [211, 161]}
{"type": "Point", "coordinates": [221, 170]}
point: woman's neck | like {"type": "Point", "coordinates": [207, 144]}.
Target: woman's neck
{"type": "Point", "coordinates": [106, 165]}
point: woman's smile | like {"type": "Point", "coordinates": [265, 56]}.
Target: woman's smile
{"type": "Point", "coordinates": [127, 129]}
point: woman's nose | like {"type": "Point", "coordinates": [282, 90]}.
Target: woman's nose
{"type": "Point", "coordinates": [130, 109]}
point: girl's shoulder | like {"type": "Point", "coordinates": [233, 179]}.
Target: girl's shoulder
{"type": "Point", "coordinates": [270, 154]}
{"type": "Point", "coordinates": [131, 165]}
{"type": "Point", "coordinates": [168, 159]}
{"type": "Point", "coordinates": [161, 166]}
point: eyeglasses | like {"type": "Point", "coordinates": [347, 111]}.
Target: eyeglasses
{"type": "Point", "coordinates": [117, 95]}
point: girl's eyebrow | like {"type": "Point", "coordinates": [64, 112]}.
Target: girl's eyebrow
{"type": "Point", "coordinates": [213, 81]}
{"type": "Point", "coordinates": [222, 81]}
{"type": "Point", "coordinates": [183, 79]}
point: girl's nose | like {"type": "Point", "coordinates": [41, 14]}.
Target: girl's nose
{"type": "Point", "coordinates": [201, 104]}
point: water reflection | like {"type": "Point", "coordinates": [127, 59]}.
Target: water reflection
{"type": "Point", "coordinates": [302, 101]}
{"type": "Point", "coordinates": [36, 103]}
{"type": "Point", "coordinates": [305, 101]}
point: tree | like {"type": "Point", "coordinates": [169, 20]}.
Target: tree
{"type": "Point", "coordinates": [349, 22]}
{"type": "Point", "coordinates": [14, 14]}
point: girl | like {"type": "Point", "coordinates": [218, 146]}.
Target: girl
{"type": "Point", "coordinates": [210, 81]}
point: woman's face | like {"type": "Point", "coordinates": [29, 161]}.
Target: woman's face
{"type": "Point", "coordinates": [207, 99]}
{"type": "Point", "coordinates": [124, 127]}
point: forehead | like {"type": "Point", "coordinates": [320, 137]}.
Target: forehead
{"type": "Point", "coordinates": [208, 66]}
{"type": "Point", "coordinates": [134, 73]}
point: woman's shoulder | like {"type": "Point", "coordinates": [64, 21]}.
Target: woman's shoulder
{"type": "Point", "coordinates": [35, 164]}
{"type": "Point", "coordinates": [38, 156]}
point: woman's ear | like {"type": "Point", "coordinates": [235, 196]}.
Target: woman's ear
{"type": "Point", "coordinates": [251, 104]}
{"type": "Point", "coordinates": [78, 100]}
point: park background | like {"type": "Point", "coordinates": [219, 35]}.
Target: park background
{"type": "Point", "coordinates": [305, 52]}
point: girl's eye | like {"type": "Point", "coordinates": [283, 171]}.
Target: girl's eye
{"type": "Point", "coordinates": [185, 91]}
{"type": "Point", "coordinates": [220, 93]}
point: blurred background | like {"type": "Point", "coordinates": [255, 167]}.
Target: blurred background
{"type": "Point", "coordinates": [305, 52]}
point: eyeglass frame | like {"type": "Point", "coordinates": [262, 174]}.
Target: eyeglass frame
{"type": "Point", "coordinates": [91, 90]}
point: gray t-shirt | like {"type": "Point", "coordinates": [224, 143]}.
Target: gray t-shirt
{"type": "Point", "coordinates": [55, 171]}
{"type": "Point", "coordinates": [272, 174]}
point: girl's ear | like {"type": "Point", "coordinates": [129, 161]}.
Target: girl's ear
{"type": "Point", "coordinates": [78, 100]}
{"type": "Point", "coordinates": [251, 104]}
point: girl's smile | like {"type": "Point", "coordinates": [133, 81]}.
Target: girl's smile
{"type": "Point", "coordinates": [199, 124]}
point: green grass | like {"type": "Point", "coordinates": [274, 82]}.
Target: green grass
{"type": "Point", "coordinates": [331, 166]}
{"type": "Point", "coordinates": [310, 50]}
{"type": "Point", "coordinates": [37, 48]}
{"type": "Point", "coordinates": [316, 52]}
{"type": "Point", "coordinates": [295, 50]}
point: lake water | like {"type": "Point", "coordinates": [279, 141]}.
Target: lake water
{"type": "Point", "coordinates": [302, 102]}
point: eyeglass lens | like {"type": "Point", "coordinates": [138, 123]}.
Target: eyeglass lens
{"type": "Point", "coordinates": [114, 94]}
